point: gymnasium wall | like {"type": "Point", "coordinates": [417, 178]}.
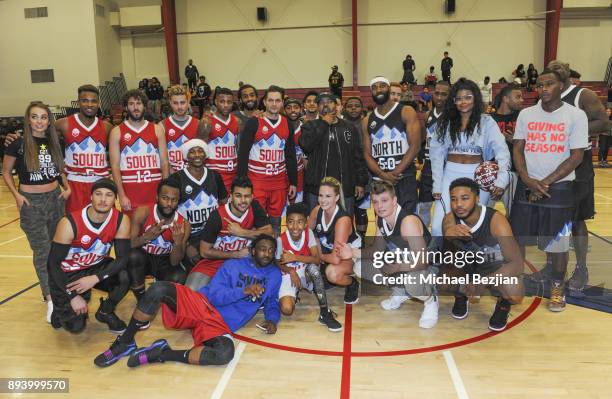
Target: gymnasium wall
{"type": "Point", "coordinates": [64, 41]}
{"type": "Point", "coordinates": [108, 44]}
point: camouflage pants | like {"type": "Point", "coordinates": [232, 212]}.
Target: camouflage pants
{"type": "Point", "coordinates": [38, 222]}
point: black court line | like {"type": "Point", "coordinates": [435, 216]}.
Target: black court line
{"type": "Point", "coordinates": [15, 295]}
{"type": "Point", "coordinates": [600, 237]}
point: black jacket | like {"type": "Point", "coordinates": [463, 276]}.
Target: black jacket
{"type": "Point", "coordinates": [314, 141]}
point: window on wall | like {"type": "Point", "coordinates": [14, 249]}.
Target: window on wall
{"type": "Point", "coordinates": [42, 75]}
{"type": "Point", "coordinates": [36, 12]}
{"type": "Point", "coordinates": [100, 10]}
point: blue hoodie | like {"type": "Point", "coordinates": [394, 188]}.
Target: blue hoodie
{"type": "Point", "coordinates": [225, 291]}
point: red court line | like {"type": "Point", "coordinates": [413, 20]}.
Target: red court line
{"type": "Point", "coordinates": [345, 383]}
{"type": "Point", "coordinates": [7, 223]}
{"type": "Point", "coordinates": [287, 348]}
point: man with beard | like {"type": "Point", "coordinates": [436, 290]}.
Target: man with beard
{"type": "Point", "coordinates": [293, 110]}
{"type": "Point", "coordinates": [333, 150]}
{"type": "Point", "coordinates": [138, 155]}
{"type": "Point", "coordinates": [228, 232]}
{"type": "Point", "coordinates": [508, 103]}
{"type": "Point", "coordinates": [267, 155]}
{"type": "Point", "coordinates": [247, 95]}
{"type": "Point", "coordinates": [311, 110]}
{"type": "Point", "coordinates": [178, 127]}
{"type": "Point", "coordinates": [159, 236]}
{"type": "Point", "coordinates": [79, 261]}
{"type": "Point", "coordinates": [220, 130]}
{"type": "Point", "coordinates": [233, 297]}
{"type": "Point", "coordinates": [391, 142]}
{"type": "Point", "coordinates": [426, 199]}
{"type": "Point", "coordinates": [482, 231]}
{"type": "Point", "coordinates": [202, 189]}
{"type": "Point", "coordinates": [584, 184]}
{"type": "Point", "coordinates": [85, 140]}
{"type": "Point", "coordinates": [353, 113]}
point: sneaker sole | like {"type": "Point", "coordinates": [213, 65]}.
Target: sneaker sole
{"type": "Point", "coordinates": [330, 329]}
{"type": "Point", "coordinates": [352, 303]}
{"type": "Point", "coordinates": [461, 317]}
{"type": "Point", "coordinates": [498, 329]}
{"type": "Point", "coordinates": [556, 310]}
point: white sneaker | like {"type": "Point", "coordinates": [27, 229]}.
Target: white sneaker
{"type": "Point", "coordinates": [429, 317]}
{"type": "Point", "coordinates": [49, 311]}
{"type": "Point", "coordinates": [394, 302]}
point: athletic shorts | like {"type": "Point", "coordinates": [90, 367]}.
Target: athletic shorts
{"type": "Point", "coordinates": [426, 188]}
{"type": "Point", "coordinates": [272, 201]}
{"type": "Point", "coordinates": [157, 265]}
{"type": "Point", "coordinates": [286, 289]}
{"type": "Point", "coordinates": [584, 192]}
{"type": "Point", "coordinates": [80, 196]}
{"type": "Point", "coordinates": [194, 312]}
{"type": "Point", "coordinates": [406, 192]}
{"type": "Point", "coordinates": [547, 222]}
{"type": "Point", "coordinates": [140, 194]}
{"type": "Point", "coordinates": [207, 266]}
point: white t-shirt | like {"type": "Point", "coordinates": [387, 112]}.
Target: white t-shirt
{"type": "Point", "coordinates": [549, 137]}
{"type": "Point", "coordinates": [486, 91]}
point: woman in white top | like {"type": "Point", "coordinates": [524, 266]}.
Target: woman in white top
{"type": "Point", "coordinates": [464, 137]}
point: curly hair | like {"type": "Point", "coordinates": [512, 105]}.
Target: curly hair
{"type": "Point", "coordinates": [451, 117]}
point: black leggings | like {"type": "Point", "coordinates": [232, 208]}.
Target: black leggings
{"type": "Point", "coordinates": [142, 263]}
{"type": "Point", "coordinates": [604, 146]}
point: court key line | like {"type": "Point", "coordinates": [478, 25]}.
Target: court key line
{"type": "Point", "coordinates": [455, 376]}
{"type": "Point", "coordinates": [12, 239]}
{"type": "Point", "coordinates": [7, 223]}
{"type": "Point", "coordinates": [227, 374]}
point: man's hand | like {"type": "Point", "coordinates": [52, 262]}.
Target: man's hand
{"type": "Point", "coordinates": [83, 284]}
{"type": "Point", "coordinates": [508, 135]}
{"type": "Point", "coordinates": [254, 290]}
{"type": "Point", "coordinates": [390, 178]}
{"type": "Point", "coordinates": [79, 305]}
{"type": "Point", "coordinates": [241, 253]}
{"type": "Point", "coordinates": [287, 257]}
{"type": "Point", "coordinates": [295, 279]}
{"type": "Point", "coordinates": [329, 118]}
{"type": "Point", "coordinates": [10, 137]}
{"type": "Point", "coordinates": [497, 193]}
{"type": "Point", "coordinates": [292, 192]}
{"type": "Point", "coordinates": [390, 269]}
{"type": "Point", "coordinates": [537, 187]}
{"type": "Point", "coordinates": [178, 232]}
{"type": "Point", "coordinates": [359, 192]}
{"type": "Point", "coordinates": [153, 232]}
{"type": "Point", "coordinates": [344, 251]}
{"type": "Point", "coordinates": [126, 204]}
{"type": "Point", "coordinates": [269, 326]}
{"type": "Point", "coordinates": [458, 231]}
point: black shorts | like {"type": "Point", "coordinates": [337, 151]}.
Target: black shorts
{"type": "Point", "coordinates": [158, 265]}
{"type": "Point", "coordinates": [194, 239]}
{"type": "Point", "coordinates": [426, 188]}
{"type": "Point", "coordinates": [584, 192]}
{"type": "Point", "coordinates": [406, 191]}
{"type": "Point", "coordinates": [548, 222]}
{"type": "Point", "coordinates": [61, 300]}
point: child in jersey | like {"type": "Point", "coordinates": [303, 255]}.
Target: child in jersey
{"type": "Point", "coordinates": [298, 258]}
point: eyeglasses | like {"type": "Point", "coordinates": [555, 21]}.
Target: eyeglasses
{"type": "Point", "coordinates": [469, 98]}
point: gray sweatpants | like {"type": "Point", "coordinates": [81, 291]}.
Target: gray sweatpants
{"type": "Point", "coordinates": [38, 222]}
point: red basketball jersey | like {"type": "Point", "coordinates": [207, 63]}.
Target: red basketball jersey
{"type": "Point", "coordinates": [163, 243]}
{"type": "Point", "coordinates": [140, 162]}
{"type": "Point", "coordinates": [267, 156]}
{"type": "Point", "coordinates": [85, 155]}
{"type": "Point", "coordinates": [222, 141]}
{"type": "Point", "coordinates": [90, 246]}
{"type": "Point", "coordinates": [176, 136]}
{"type": "Point", "coordinates": [299, 248]}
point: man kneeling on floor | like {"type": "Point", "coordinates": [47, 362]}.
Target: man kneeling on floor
{"type": "Point", "coordinates": [233, 296]}
{"type": "Point", "coordinates": [484, 232]}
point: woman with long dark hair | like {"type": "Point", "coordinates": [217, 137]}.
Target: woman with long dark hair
{"type": "Point", "coordinates": [532, 76]}
{"type": "Point", "coordinates": [464, 137]}
{"type": "Point", "coordinates": [37, 156]}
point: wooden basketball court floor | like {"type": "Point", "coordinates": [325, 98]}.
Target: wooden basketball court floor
{"type": "Point", "coordinates": [378, 354]}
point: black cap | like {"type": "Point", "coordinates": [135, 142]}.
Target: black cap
{"type": "Point", "coordinates": [104, 183]}
{"type": "Point", "coordinates": [292, 101]}
{"type": "Point", "coordinates": [335, 67]}
{"type": "Point", "coordinates": [323, 96]}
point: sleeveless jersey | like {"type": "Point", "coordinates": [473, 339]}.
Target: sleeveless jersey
{"type": "Point", "coordinates": [482, 239]}
{"type": "Point", "coordinates": [584, 171]}
{"type": "Point", "coordinates": [393, 237]}
{"type": "Point", "coordinates": [90, 245]}
{"type": "Point", "coordinates": [267, 156]}
{"type": "Point", "coordinates": [163, 243]}
{"type": "Point", "coordinates": [222, 143]}
{"type": "Point", "coordinates": [227, 242]}
{"type": "Point", "coordinates": [430, 125]}
{"type": "Point", "coordinates": [198, 198]}
{"type": "Point", "coordinates": [326, 232]}
{"type": "Point", "coordinates": [85, 155]}
{"type": "Point", "coordinates": [176, 136]}
{"type": "Point", "coordinates": [140, 162]}
{"type": "Point", "coordinates": [296, 248]}
{"type": "Point", "coordinates": [388, 137]}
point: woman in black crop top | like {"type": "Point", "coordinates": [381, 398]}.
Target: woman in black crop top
{"type": "Point", "coordinates": [332, 225]}
{"type": "Point", "coordinates": [37, 156]}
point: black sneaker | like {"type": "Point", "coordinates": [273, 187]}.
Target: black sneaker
{"type": "Point", "coordinates": [499, 318]}
{"type": "Point", "coordinates": [541, 275]}
{"type": "Point", "coordinates": [351, 293]}
{"type": "Point", "coordinates": [55, 321]}
{"type": "Point", "coordinates": [461, 307]}
{"type": "Point", "coordinates": [328, 318]}
{"type": "Point", "coordinates": [116, 351]}
{"type": "Point", "coordinates": [579, 279]}
{"type": "Point", "coordinates": [145, 326]}
{"type": "Point", "coordinates": [150, 354]}
{"type": "Point", "coordinates": [114, 323]}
